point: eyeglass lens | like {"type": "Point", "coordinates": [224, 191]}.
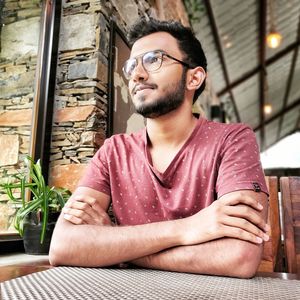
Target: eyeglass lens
{"type": "Point", "coordinates": [151, 61]}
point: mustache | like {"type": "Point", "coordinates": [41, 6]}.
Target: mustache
{"type": "Point", "coordinates": [142, 86]}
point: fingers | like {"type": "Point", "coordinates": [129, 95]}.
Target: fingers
{"type": "Point", "coordinates": [241, 198]}
{"type": "Point", "coordinates": [73, 219]}
{"type": "Point", "coordinates": [85, 198]}
{"type": "Point", "coordinates": [240, 215]}
{"type": "Point", "coordinates": [248, 214]}
{"type": "Point", "coordinates": [85, 210]}
{"type": "Point", "coordinates": [87, 203]}
{"type": "Point", "coordinates": [239, 233]}
{"type": "Point", "coordinates": [237, 215]}
{"type": "Point", "coordinates": [78, 215]}
{"type": "Point", "coordinates": [245, 229]}
{"type": "Point", "coordinates": [80, 206]}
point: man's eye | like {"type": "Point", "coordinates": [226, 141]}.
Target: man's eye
{"type": "Point", "coordinates": [131, 66]}
{"type": "Point", "coordinates": [151, 59]}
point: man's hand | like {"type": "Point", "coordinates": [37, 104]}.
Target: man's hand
{"type": "Point", "coordinates": [234, 215]}
{"type": "Point", "coordinates": [226, 256]}
{"type": "Point", "coordinates": [213, 241]}
{"type": "Point", "coordinates": [85, 210]}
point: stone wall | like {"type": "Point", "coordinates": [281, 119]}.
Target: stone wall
{"type": "Point", "coordinates": [81, 102]}
{"type": "Point", "coordinates": [18, 56]}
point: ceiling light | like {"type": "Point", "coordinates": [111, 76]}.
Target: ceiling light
{"type": "Point", "coordinates": [228, 45]}
{"type": "Point", "coordinates": [274, 37]}
{"type": "Point", "coordinates": [267, 108]}
{"type": "Point", "coordinates": [226, 41]}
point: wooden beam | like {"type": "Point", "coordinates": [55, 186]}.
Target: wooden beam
{"type": "Point", "coordinates": [262, 74]}
{"type": "Point", "coordinates": [281, 112]}
{"type": "Point", "coordinates": [221, 54]}
{"type": "Point", "coordinates": [258, 68]}
{"type": "Point", "coordinates": [297, 127]}
{"type": "Point", "coordinates": [292, 131]}
{"type": "Point", "coordinates": [289, 82]}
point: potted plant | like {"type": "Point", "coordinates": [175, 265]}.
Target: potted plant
{"type": "Point", "coordinates": [35, 219]}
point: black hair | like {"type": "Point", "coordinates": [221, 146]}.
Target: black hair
{"type": "Point", "coordinates": [187, 41]}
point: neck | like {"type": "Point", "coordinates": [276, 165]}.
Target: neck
{"type": "Point", "coordinates": [173, 129]}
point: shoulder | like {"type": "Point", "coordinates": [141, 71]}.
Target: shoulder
{"type": "Point", "coordinates": [226, 131]}
{"type": "Point", "coordinates": [123, 141]}
{"type": "Point", "coordinates": [226, 128]}
{"type": "Point", "coordinates": [117, 145]}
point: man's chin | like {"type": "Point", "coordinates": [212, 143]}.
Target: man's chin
{"type": "Point", "coordinates": [151, 112]}
{"type": "Point", "coordinates": [150, 115]}
{"type": "Point", "coordinates": [146, 112]}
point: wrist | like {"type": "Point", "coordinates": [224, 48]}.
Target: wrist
{"type": "Point", "coordinates": [181, 231]}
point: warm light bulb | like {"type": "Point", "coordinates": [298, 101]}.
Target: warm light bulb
{"type": "Point", "coordinates": [274, 39]}
{"type": "Point", "coordinates": [228, 45]}
{"type": "Point", "coordinates": [267, 109]}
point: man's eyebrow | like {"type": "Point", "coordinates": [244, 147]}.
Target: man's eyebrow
{"type": "Point", "coordinates": [155, 50]}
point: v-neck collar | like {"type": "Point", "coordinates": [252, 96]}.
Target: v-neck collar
{"type": "Point", "coordinates": [164, 177]}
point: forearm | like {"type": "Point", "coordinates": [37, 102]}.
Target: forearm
{"type": "Point", "coordinates": [92, 243]}
{"type": "Point", "coordinates": [225, 257]}
{"type": "Point", "coordinates": [88, 245]}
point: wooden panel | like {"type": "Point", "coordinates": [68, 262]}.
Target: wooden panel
{"type": "Point", "coordinates": [290, 189]}
{"type": "Point", "coordinates": [270, 251]}
{"type": "Point", "coordinates": [273, 214]}
{"type": "Point", "coordinates": [297, 238]}
{"type": "Point", "coordinates": [295, 208]}
{"type": "Point", "coordinates": [266, 266]}
{"type": "Point", "coordinates": [298, 262]}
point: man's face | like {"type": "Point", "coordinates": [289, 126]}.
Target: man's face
{"type": "Point", "coordinates": [159, 92]}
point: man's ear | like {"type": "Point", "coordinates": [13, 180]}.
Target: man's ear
{"type": "Point", "coordinates": [195, 78]}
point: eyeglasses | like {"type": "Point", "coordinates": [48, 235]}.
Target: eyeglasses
{"type": "Point", "coordinates": [151, 61]}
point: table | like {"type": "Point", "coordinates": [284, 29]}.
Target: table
{"type": "Point", "coordinates": [111, 283]}
{"type": "Point", "coordinates": [22, 269]}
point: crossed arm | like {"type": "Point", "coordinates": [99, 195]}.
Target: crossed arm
{"type": "Point", "coordinates": [223, 239]}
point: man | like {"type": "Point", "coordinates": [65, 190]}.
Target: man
{"type": "Point", "coordinates": [163, 180]}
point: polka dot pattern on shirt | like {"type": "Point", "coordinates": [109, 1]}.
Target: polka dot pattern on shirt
{"type": "Point", "coordinates": [216, 159]}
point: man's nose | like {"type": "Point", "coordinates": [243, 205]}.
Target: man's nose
{"type": "Point", "coordinates": [139, 73]}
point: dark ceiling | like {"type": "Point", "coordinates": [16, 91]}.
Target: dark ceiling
{"type": "Point", "coordinates": [245, 74]}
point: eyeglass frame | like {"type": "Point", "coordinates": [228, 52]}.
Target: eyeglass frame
{"type": "Point", "coordinates": [163, 53]}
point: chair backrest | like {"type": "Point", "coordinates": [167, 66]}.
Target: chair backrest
{"type": "Point", "coordinates": [272, 246]}
{"type": "Point", "coordinates": [290, 191]}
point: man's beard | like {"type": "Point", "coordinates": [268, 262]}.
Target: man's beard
{"type": "Point", "coordinates": [161, 106]}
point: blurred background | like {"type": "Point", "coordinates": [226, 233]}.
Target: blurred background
{"type": "Point", "coordinates": [252, 49]}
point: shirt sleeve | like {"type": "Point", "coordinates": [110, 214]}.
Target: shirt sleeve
{"type": "Point", "coordinates": [240, 166]}
{"type": "Point", "coordinates": [96, 175]}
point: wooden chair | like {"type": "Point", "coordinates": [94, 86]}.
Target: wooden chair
{"type": "Point", "coordinates": [290, 191]}
{"type": "Point", "coordinates": [272, 246]}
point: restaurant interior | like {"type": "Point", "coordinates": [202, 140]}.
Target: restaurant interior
{"type": "Point", "coordinates": [62, 93]}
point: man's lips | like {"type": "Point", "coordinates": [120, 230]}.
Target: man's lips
{"type": "Point", "coordinates": [141, 87]}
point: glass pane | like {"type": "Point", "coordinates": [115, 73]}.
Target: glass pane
{"type": "Point", "coordinates": [19, 39]}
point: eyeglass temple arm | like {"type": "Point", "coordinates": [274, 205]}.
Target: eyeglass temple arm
{"type": "Point", "coordinates": [180, 61]}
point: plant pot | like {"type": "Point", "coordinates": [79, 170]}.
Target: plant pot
{"type": "Point", "coordinates": [32, 234]}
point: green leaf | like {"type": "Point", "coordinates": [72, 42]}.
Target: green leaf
{"type": "Point", "coordinates": [45, 210]}
{"type": "Point", "coordinates": [43, 199]}
{"type": "Point", "coordinates": [23, 184]}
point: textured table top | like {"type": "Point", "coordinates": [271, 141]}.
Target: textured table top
{"type": "Point", "coordinates": [95, 283]}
